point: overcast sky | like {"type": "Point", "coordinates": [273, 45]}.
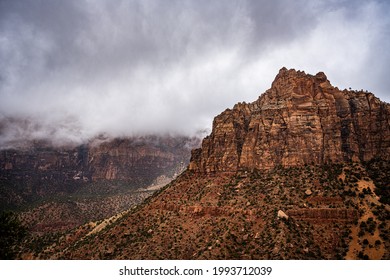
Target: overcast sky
{"type": "Point", "coordinates": [74, 69]}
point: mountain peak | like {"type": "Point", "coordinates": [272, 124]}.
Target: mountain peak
{"type": "Point", "coordinates": [302, 119]}
{"type": "Point", "coordinates": [284, 72]}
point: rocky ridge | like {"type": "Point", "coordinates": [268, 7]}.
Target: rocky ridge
{"type": "Point", "coordinates": [302, 119]}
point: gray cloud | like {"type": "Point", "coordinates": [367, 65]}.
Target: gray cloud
{"type": "Point", "coordinates": [75, 69]}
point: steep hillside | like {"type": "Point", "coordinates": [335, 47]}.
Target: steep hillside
{"type": "Point", "coordinates": [332, 212]}
{"type": "Point", "coordinates": [301, 173]}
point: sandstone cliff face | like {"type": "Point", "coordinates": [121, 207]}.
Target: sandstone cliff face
{"type": "Point", "coordinates": [301, 119]}
{"type": "Point", "coordinates": [130, 159]}
{"type": "Point", "coordinates": [43, 170]}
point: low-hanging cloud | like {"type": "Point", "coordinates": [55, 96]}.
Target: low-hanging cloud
{"type": "Point", "coordinates": [71, 70]}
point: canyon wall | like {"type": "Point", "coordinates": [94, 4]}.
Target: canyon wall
{"type": "Point", "coordinates": [40, 170]}
{"type": "Point", "coordinates": [302, 119]}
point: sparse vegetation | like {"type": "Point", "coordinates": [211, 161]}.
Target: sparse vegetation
{"type": "Point", "coordinates": [201, 217]}
{"type": "Point", "coordinates": [12, 232]}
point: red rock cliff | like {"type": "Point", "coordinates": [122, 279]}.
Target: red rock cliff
{"type": "Point", "coordinates": [41, 170]}
{"type": "Point", "coordinates": [301, 119]}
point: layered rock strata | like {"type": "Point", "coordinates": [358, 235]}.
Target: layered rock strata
{"type": "Point", "coordinates": [41, 170]}
{"type": "Point", "coordinates": [302, 119]}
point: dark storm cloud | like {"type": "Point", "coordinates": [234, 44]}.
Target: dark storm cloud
{"type": "Point", "coordinates": [75, 69]}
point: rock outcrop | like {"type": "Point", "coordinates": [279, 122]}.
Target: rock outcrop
{"type": "Point", "coordinates": [324, 214]}
{"type": "Point", "coordinates": [301, 119]}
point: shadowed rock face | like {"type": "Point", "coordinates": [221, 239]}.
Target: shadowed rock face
{"type": "Point", "coordinates": [301, 119]}
{"type": "Point", "coordinates": [118, 159]}
{"type": "Point", "coordinates": [41, 170]}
